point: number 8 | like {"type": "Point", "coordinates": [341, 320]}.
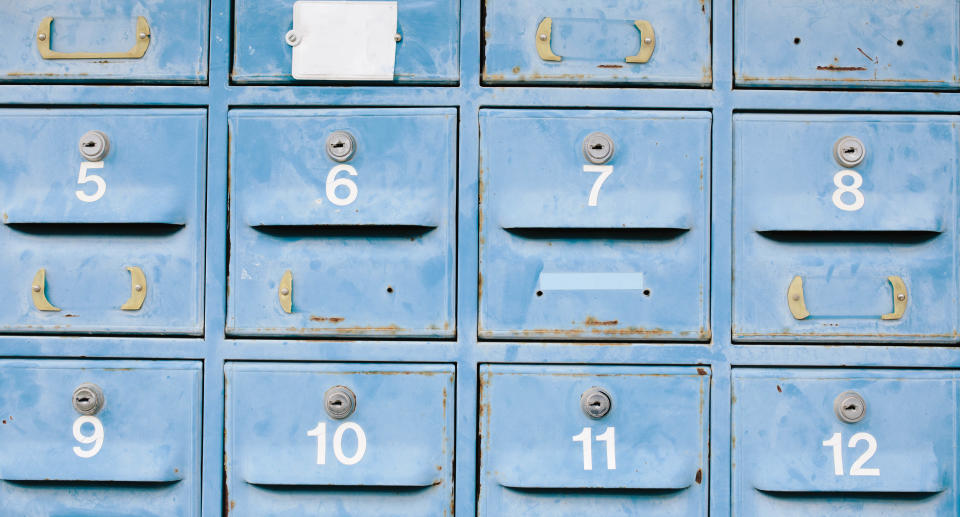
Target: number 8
{"type": "Point", "coordinates": [853, 188]}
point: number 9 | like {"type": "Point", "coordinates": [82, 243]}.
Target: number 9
{"type": "Point", "coordinates": [96, 438]}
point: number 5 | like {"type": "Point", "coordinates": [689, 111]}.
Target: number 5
{"type": "Point", "coordinates": [84, 178]}
{"type": "Point", "coordinates": [605, 171]}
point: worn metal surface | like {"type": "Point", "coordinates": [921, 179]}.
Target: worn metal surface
{"type": "Point", "coordinates": [101, 36]}
{"type": "Point", "coordinates": [610, 42]}
{"type": "Point", "coordinates": [790, 222]}
{"type": "Point", "coordinates": [149, 461]}
{"type": "Point", "coordinates": [782, 417]}
{"type": "Point", "coordinates": [381, 264]}
{"type": "Point", "coordinates": [149, 215]}
{"type": "Point", "coordinates": [560, 259]}
{"type": "Point", "coordinates": [861, 43]}
{"type": "Point", "coordinates": [406, 413]}
{"type": "Point", "coordinates": [428, 51]}
{"type": "Point", "coordinates": [530, 465]}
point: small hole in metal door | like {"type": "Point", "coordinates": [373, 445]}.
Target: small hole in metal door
{"type": "Point", "coordinates": [539, 293]}
{"type": "Point", "coordinates": [899, 42]}
{"type": "Point", "coordinates": [796, 41]}
{"type": "Point", "coordinates": [646, 292]}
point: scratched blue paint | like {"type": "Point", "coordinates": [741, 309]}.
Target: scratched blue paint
{"type": "Point", "coordinates": [150, 216]}
{"type": "Point", "coordinates": [788, 225]}
{"type": "Point", "coordinates": [594, 39]}
{"type": "Point", "coordinates": [406, 414]}
{"type": "Point", "coordinates": [530, 465]}
{"type": "Point", "coordinates": [149, 463]}
{"type": "Point", "coordinates": [857, 44]}
{"type": "Point", "coordinates": [381, 265]}
{"type": "Point", "coordinates": [428, 52]}
{"type": "Point", "coordinates": [781, 418]}
{"type": "Point", "coordinates": [651, 218]}
{"type": "Point", "coordinates": [177, 52]}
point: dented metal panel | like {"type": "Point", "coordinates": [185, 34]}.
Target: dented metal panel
{"type": "Point", "coordinates": [287, 454]}
{"type": "Point", "coordinates": [869, 249]}
{"type": "Point", "coordinates": [854, 44]}
{"type": "Point", "coordinates": [793, 456]}
{"type": "Point", "coordinates": [570, 249]}
{"type": "Point", "coordinates": [542, 454]}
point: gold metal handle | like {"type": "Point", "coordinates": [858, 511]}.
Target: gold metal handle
{"type": "Point", "coordinates": [648, 41]}
{"type": "Point", "coordinates": [285, 292]}
{"type": "Point", "coordinates": [38, 290]}
{"type": "Point", "coordinates": [45, 37]}
{"type": "Point", "coordinates": [798, 306]}
{"type": "Point", "coordinates": [138, 289]}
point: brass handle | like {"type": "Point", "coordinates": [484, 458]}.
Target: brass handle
{"type": "Point", "coordinates": [285, 292]}
{"type": "Point", "coordinates": [648, 41]}
{"type": "Point", "coordinates": [45, 36]}
{"type": "Point", "coordinates": [798, 306]}
{"type": "Point", "coordinates": [38, 290]}
{"type": "Point", "coordinates": [138, 289]}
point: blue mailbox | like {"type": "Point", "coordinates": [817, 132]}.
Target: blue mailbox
{"type": "Point", "coordinates": [102, 220]}
{"type": "Point", "coordinates": [121, 41]}
{"type": "Point", "coordinates": [287, 41]}
{"type": "Point", "coordinates": [642, 42]}
{"type": "Point", "coordinates": [342, 222]}
{"type": "Point", "coordinates": [859, 44]}
{"type": "Point", "coordinates": [339, 439]}
{"type": "Point", "coordinates": [845, 442]}
{"type": "Point", "coordinates": [606, 440]}
{"type": "Point", "coordinates": [594, 224]}
{"type": "Point", "coordinates": [94, 438]}
{"type": "Point", "coordinates": [845, 228]}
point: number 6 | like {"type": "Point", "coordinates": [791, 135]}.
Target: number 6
{"type": "Point", "coordinates": [84, 178]}
{"type": "Point", "coordinates": [333, 182]}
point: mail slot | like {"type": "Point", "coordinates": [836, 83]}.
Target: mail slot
{"type": "Point", "coordinates": [287, 41]}
{"type": "Point", "coordinates": [594, 224]}
{"type": "Point", "coordinates": [102, 220]}
{"type": "Point", "coordinates": [605, 440]}
{"type": "Point", "coordinates": [342, 222]}
{"type": "Point", "coordinates": [845, 228]}
{"type": "Point", "coordinates": [339, 439]}
{"type": "Point", "coordinates": [121, 41]}
{"type": "Point", "coordinates": [856, 44]}
{"type": "Point", "coordinates": [88, 437]}
{"type": "Point", "coordinates": [624, 42]}
{"type": "Point", "coordinates": [844, 442]}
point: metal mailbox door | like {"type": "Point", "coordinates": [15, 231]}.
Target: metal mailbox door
{"type": "Point", "coordinates": [120, 41]}
{"type": "Point", "coordinates": [606, 440]}
{"type": "Point", "coordinates": [594, 224]}
{"type": "Point", "coordinates": [94, 438]}
{"type": "Point", "coordinates": [857, 43]}
{"type": "Point", "coordinates": [102, 220]}
{"type": "Point", "coordinates": [635, 42]}
{"type": "Point", "coordinates": [339, 439]}
{"type": "Point", "coordinates": [845, 228]}
{"type": "Point", "coordinates": [286, 41]}
{"type": "Point", "coordinates": [845, 442]}
{"type": "Point", "coordinates": [354, 240]}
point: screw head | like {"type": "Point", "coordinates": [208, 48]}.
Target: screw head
{"type": "Point", "coordinates": [292, 38]}
{"type": "Point", "coordinates": [88, 399]}
{"type": "Point", "coordinates": [647, 40]}
{"type": "Point", "coordinates": [138, 288]}
{"type": "Point", "coordinates": [397, 37]}
{"type": "Point", "coordinates": [142, 35]}
{"type": "Point", "coordinates": [596, 402]}
{"type": "Point", "coordinates": [340, 402]}
{"type": "Point", "coordinates": [901, 297]}
{"type": "Point", "coordinates": [284, 291]}
{"type": "Point", "coordinates": [36, 288]}
{"type": "Point", "coordinates": [850, 407]}
{"type": "Point", "coordinates": [42, 37]}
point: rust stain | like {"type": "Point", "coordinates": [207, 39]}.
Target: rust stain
{"type": "Point", "coordinates": [874, 60]}
{"type": "Point", "coordinates": [331, 319]}
{"type": "Point", "coordinates": [625, 331]}
{"type": "Point", "coordinates": [701, 371]}
{"type": "Point", "coordinates": [754, 79]}
{"type": "Point", "coordinates": [879, 335]}
{"type": "Point", "coordinates": [233, 504]}
{"type": "Point", "coordinates": [516, 69]}
{"type": "Point", "coordinates": [699, 477]}
{"type": "Point", "coordinates": [834, 68]}
{"type": "Point", "coordinates": [609, 66]}
{"type": "Point", "coordinates": [69, 315]}
{"type": "Point", "coordinates": [779, 389]}
{"type": "Point", "coordinates": [593, 321]}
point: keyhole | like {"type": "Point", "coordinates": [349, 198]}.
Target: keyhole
{"type": "Point", "coordinates": [850, 150]}
{"type": "Point", "coordinates": [595, 403]}
{"type": "Point", "coordinates": [89, 144]}
{"type": "Point", "coordinates": [336, 403]}
{"type": "Point", "coordinates": [597, 147]}
{"type": "Point", "coordinates": [83, 400]}
{"type": "Point", "coordinates": [338, 145]}
{"type": "Point", "coordinates": [851, 407]}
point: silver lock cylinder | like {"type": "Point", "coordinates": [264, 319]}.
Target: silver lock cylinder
{"type": "Point", "coordinates": [849, 151]}
{"type": "Point", "coordinates": [596, 402]}
{"type": "Point", "coordinates": [340, 402]}
{"type": "Point", "coordinates": [598, 148]}
{"type": "Point", "coordinates": [850, 407]}
{"type": "Point", "coordinates": [341, 146]}
{"type": "Point", "coordinates": [94, 146]}
{"type": "Point", "coordinates": [88, 399]}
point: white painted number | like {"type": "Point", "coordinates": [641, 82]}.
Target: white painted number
{"type": "Point", "coordinates": [87, 178]}
{"type": "Point", "coordinates": [321, 433]}
{"type": "Point", "coordinates": [333, 182]}
{"type": "Point", "coordinates": [836, 442]}
{"type": "Point", "coordinates": [608, 437]}
{"type": "Point", "coordinates": [96, 438]}
{"type": "Point", "coordinates": [605, 171]}
{"type": "Point", "coordinates": [853, 189]}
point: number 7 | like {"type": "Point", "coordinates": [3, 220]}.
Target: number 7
{"type": "Point", "coordinates": [605, 171]}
